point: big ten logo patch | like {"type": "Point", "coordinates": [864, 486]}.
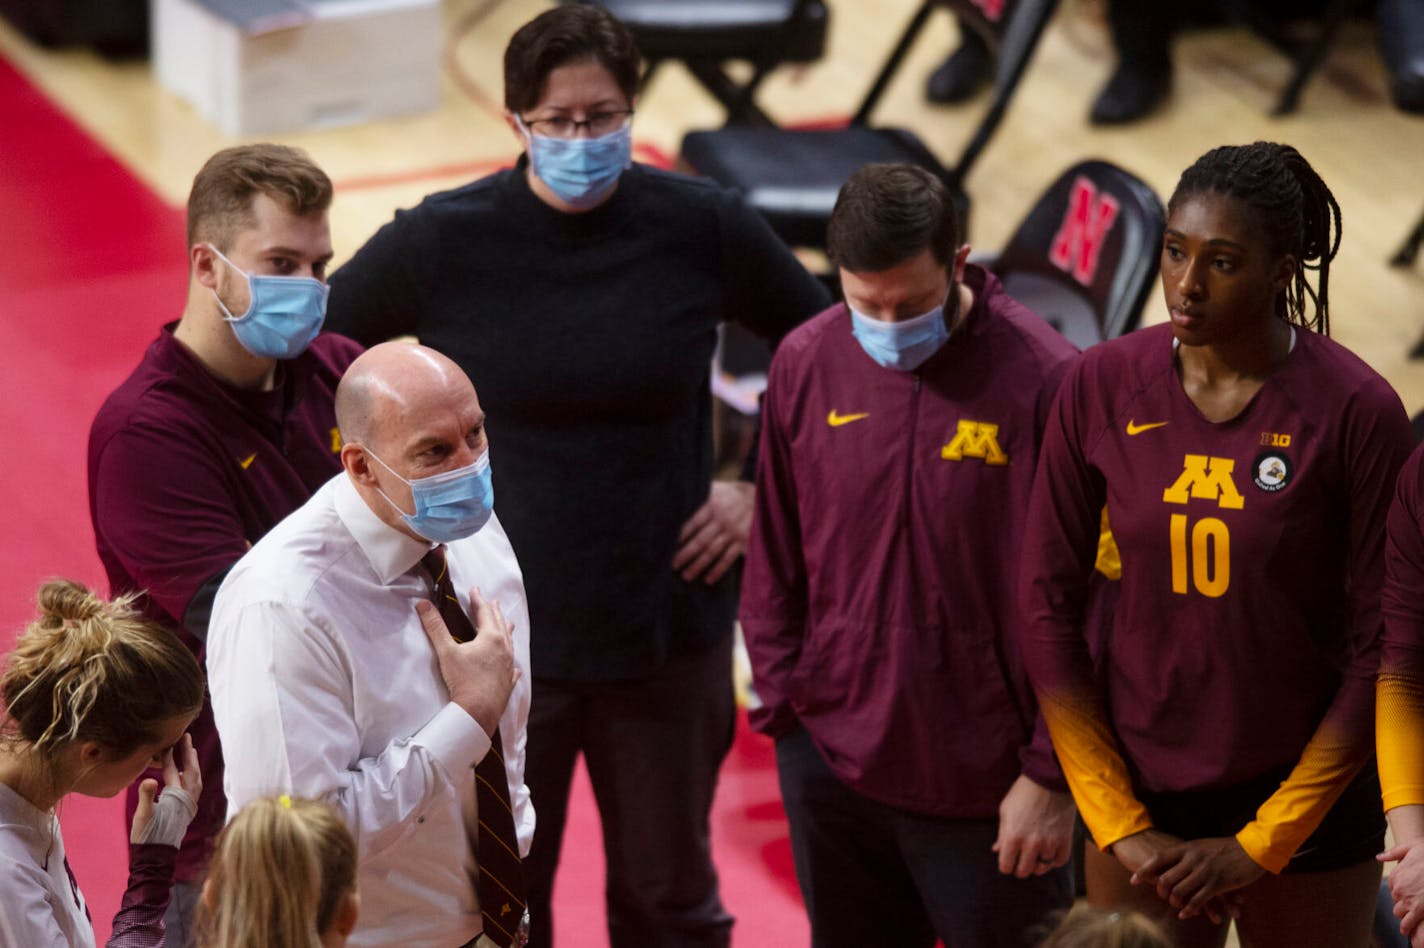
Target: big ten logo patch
{"type": "Point", "coordinates": [1201, 551]}
{"type": "Point", "coordinates": [975, 439]}
{"type": "Point", "coordinates": [1273, 468]}
{"type": "Point", "coordinates": [1079, 242]}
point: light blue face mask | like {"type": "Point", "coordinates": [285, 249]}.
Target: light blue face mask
{"type": "Point", "coordinates": [581, 171]}
{"type": "Point", "coordinates": [284, 314]}
{"type": "Point", "coordinates": [448, 506]}
{"type": "Point", "coordinates": [903, 346]}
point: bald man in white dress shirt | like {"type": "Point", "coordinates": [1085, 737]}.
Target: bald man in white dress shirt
{"type": "Point", "coordinates": [331, 680]}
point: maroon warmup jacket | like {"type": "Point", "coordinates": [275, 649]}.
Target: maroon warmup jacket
{"type": "Point", "coordinates": [878, 597]}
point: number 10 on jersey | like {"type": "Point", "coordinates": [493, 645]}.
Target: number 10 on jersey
{"type": "Point", "coordinates": [1201, 555]}
{"type": "Point", "coordinates": [1201, 552]}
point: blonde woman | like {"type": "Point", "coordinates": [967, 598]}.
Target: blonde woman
{"type": "Point", "coordinates": [283, 876]}
{"type": "Point", "coordinates": [1089, 927]}
{"type": "Point", "coordinates": [94, 695]}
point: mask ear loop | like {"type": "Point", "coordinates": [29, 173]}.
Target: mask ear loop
{"type": "Point", "coordinates": [384, 496]}
{"type": "Point", "coordinates": [527, 132]}
{"type": "Point", "coordinates": [251, 297]}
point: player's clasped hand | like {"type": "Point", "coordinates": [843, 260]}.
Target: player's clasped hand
{"type": "Point", "coordinates": [1035, 829]}
{"type": "Point", "coordinates": [479, 674]}
{"type": "Point", "coordinates": [716, 534]}
{"type": "Point", "coordinates": [1406, 887]}
{"type": "Point", "coordinates": [1200, 876]}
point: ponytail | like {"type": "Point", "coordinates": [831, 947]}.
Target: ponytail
{"type": "Point", "coordinates": [281, 872]}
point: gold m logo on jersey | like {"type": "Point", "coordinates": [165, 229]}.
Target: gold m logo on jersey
{"type": "Point", "coordinates": [975, 439]}
{"type": "Point", "coordinates": [1205, 478]}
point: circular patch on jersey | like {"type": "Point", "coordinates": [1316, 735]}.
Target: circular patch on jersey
{"type": "Point", "coordinates": [1272, 471]}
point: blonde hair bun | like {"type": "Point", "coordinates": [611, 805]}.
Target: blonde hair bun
{"type": "Point", "coordinates": [68, 601]}
{"type": "Point", "coordinates": [95, 670]}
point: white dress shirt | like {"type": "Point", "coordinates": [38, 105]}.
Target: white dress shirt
{"type": "Point", "coordinates": [324, 685]}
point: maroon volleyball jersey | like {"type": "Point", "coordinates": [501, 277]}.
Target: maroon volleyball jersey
{"type": "Point", "coordinates": [1400, 693]}
{"type": "Point", "coordinates": [1247, 632]}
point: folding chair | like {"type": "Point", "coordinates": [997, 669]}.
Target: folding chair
{"type": "Point", "coordinates": [1305, 55]}
{"type": "Point", "coordinates": [704, 34]}
{"type": "Point", "coordinates": [1408, 251]}
{"type": "Point", "coordinates": [793, 176]}
{"type": "Point", "coordinates": [1085, 257]}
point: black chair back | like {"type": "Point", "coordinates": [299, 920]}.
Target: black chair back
{"type": "Point", "coordinates": [792, 176]}
{"type": "Point", "coordinates": [703, 34]}
{"type": "Point", "coordinates": [1013, 29]}
{"type": "Point", "coordinates": [1085, 257]}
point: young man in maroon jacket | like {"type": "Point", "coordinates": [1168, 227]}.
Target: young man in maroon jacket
{"type": "Point", "coordinates": [899, 441]}
{"type": "Point", "coordinates": [227, 424]}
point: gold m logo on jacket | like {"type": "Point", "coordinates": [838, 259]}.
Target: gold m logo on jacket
{"type": "Point", "coordinates": [1205, 478]}
{"type": "Point", "coordinates": [975, 439]}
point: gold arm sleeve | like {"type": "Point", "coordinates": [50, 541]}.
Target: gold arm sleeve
{"type": "Point", "coordinates": [1096, 773]}
{"type": "Point", "coordinates": [1399, 739]}
{"type": "Point", "coordinates": [1288, 817]}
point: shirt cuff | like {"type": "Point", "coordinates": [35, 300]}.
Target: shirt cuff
{"type": "Point", "coordinates": [454, 738]}
{"type": "Point", "coordinates": [1257, 842]}
{"type": "Point", "coordinates": [153, 860]}
{"type": "Point", "coordinates": [773, 721]}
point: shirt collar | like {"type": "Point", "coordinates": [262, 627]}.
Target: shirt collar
{"type": "Point", "coordinates": [391, 553]}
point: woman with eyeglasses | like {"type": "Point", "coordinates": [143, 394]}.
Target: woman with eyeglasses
{"type": "Point", "coordinates": [582, 292]}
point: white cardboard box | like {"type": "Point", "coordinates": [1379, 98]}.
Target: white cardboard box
{"type": "Point", "coordinates": [263, 66]}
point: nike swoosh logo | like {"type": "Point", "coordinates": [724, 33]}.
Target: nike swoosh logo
{"type": "Point", "coordinates": [835, 420]}
{"type": "Point", "coordinates": [247, 461]}
{"type": "Point", "coordinates": [1133, 428]}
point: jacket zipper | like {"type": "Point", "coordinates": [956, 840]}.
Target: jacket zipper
{"type": "Point", "coordinates": [910, 460]}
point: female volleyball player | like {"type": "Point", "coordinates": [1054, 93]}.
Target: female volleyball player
{"type": "Point", "coordinates": [1217, 741]}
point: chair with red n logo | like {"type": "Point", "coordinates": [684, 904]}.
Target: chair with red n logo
{"type": "Point", "coordinates": [1085, 257]}
{"type": "Point", "coordinates": [792, 176]}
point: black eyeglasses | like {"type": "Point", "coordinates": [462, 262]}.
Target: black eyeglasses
{"type": "Point", "coordinates": [597, 123]}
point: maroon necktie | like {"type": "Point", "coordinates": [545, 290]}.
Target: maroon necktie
{"type": "Point", "coordinates": [501, 882]}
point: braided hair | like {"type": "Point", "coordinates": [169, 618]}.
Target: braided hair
{"type": "Point", "coordinates": [1296, 211]}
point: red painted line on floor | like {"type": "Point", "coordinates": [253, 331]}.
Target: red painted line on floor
{"type": "Point", "coordinates": [653, 155]}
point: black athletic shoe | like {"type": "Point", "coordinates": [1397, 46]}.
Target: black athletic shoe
{"type": "Point", "coordinates": [1401, 39]}
{"type": "Point", "coordinates": [1129, 95]}
{"type": "Point", "coordinates": [962, 74]}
